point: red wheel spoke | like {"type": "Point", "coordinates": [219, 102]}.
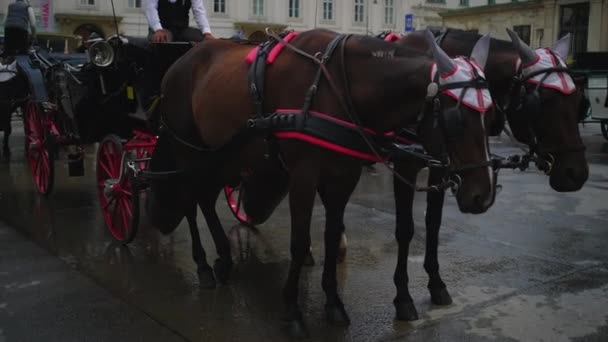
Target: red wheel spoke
{"type": "Point", "coordinates": [110, 160]}
{"type": "Point", "coordinates": [105, 169]}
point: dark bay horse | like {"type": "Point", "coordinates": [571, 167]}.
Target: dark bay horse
{"type": "Point", "coordinates": [206, 105]}
{"type": "Point", "coordinates": [550, 128]}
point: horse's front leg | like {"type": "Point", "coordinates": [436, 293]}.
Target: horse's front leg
{"type": "Point", "coordinates": [223, 265]}
{"type": "Point", "coordinates": [6, 151]}
{"type": "Point", "coordinates": [334, 193]}
{"type": "Point", "coordinates": [404, 232]}
{"type": "Point", "coordinates": [434, 211]}
{"type": "Point", "coordinates": [302, 192]}
{"type": "Point", "coordinates": [205, 273]}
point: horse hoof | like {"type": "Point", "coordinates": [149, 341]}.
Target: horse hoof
{"type": "Point", "coordinates": [336, 315]}
{"type": "Point", "coordinates": [222, 268]}
{"type": "Point", "coordinates": [206, 279]}
{"type": "Point", "coordinates": [406, 312]}
{"type": "Point", "coordinates": [309, 260]}
{"type": "Point", "coordinates": [296, 329]}
{"type": "Point", "coordinates": [441, 297]}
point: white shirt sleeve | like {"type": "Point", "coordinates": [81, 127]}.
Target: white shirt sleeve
{"type": "Point", "coordinates": [152, 15]}
{"type": "Point", "coordinates": [200, 15]}
{"type": "Point", "coordinates": [32, 17]}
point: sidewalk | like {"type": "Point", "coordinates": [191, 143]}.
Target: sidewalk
{"type": "Point", "coordinates": [43, 299]}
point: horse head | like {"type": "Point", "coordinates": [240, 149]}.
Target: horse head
{"type": "Point", "coordinates": [459, 113]}
{"type": "Point", "coordinates": [544, 112]}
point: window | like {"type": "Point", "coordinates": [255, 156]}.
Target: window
{"type": "Point", "coordinates": [436, 1]}
{"type": "Point", "coordinates": [463, 2]}
{"type": "Point", "coordinates": [389, 12]}
{"type": "Point", "coordinates": [491, 2]}
{"type": "Point", "coordinates": [87, 2]}
{"type": "Point", "coordinates": [294, 9]}
{"type": "Point", "coordinates": [1, 23]}
{"type": "Point", "coordinates": [258, 8]}
{"type": "Point", "coordinates": [219, 6]}
{"type": "Point", "coordinates": [359, 11]}
{"type": "Point", "coordinates": [328, 10]}
{"type": "Point", "coordinates": [134, 3]}
{"type": "Point", "coordinates": [523, 31]}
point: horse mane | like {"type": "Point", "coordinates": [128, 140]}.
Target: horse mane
{"type": "Point", "coordinates": [375, 44]}
{"type": "Point", "coordinates": [470, 38]}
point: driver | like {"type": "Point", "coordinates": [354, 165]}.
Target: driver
{"type": "Point", "coordinates": [19, 18]}
{"type": "Point", "coordinates": [168, 20]}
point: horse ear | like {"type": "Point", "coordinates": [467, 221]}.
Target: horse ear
{"type": "Point", "coordinates": [445, 65]}
{"type": "Point", "coordinates": [481, 50]}
{"type": "Point", "coordinates": [562, 46]}
{"type": "Point", "coordinates": [526, 53]}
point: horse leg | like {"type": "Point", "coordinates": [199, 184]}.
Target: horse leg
{"type": "Point", "coordinates": [335, 194]}
{"type": "Point", "coordinates": [434, 210]}
{"type": "Point", "coordinates": [302, 192]}
{"type": "Point", "coordinates": [223, 264]}
{"type": "Point", "coordinates": [404, 232]}
{"type": "Point", "coordinates": [205, 273]}
{"type": "Point", "coordinates": [6, 151]}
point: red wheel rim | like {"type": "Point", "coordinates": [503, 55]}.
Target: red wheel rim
{"type": "Point", "coordinates": [37, 151]}
{"type": "Point", "coordinates": [235, 203]}
{"type": "Point", "coordinates": [114, 188]}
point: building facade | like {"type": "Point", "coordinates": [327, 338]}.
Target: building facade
{"type": "Point", "coordinates": [247, 17]}
{"type": "Point", "coordinates": [539, 22]}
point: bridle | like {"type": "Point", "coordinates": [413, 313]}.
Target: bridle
{"type": "Point", "coordinates": [523, 100]}
{"type": "Point", "coordinates": [432, 104]}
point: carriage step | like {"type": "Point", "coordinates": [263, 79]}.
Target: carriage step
{"type": "Point", "coordinates": [75, 165]}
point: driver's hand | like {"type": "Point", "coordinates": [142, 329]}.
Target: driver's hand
{"type": "Point", "coordinates": [160, 36]}
{"type": "Point", "coordinates": [208, 36]}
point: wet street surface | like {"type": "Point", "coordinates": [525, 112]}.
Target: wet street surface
{"type": "Point", "coordinates": [533, 268]}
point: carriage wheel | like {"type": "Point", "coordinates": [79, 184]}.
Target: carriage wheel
{"type": "Point", "coordinates": [604, 125]}
{"type": "Point", "coordinates": [39, 149]}
{"type": "Point", "coordinates": [235, 203]}
{"type": "Point", "coordinates": [118, 197]}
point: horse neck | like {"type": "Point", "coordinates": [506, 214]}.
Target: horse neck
{"type": "Point", "coordinates": [388, 92]}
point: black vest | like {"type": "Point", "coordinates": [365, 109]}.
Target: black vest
{"type": "Point", "coordinates": [18, 16]}
{"type": "Point", "coordinates": [174, 15]}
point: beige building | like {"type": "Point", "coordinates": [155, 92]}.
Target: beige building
{"type": "Point", "coordinates": [248, 17]}
{"type": "Point", "coordinates": [539, 22]}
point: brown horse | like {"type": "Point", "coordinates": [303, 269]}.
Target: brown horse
{"type": "Point", "coordinates": [206, 105]}
{"type": "Point", "coordinates": [554, 126]}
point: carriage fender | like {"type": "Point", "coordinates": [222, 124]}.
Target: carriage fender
{"type": "Point", "coordinates": [34, 78]}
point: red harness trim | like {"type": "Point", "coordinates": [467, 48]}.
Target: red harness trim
{"type": "Point", "coordinates": [331, 145]}
{"type": "Point", "coordinates": [391, 37]}
{"type": "Point", "coordinates": [274, 53]}
{"type": "Point", "coordinates": [327, 145]}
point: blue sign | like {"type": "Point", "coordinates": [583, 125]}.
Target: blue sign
{"type": "Point", "coordinates": [409, 22]}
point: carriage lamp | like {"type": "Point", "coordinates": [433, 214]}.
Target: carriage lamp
{"type": "Point", "coordinates": [101, 54]}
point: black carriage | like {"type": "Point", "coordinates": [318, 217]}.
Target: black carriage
{"type": "Point", "coordinates": [106, 95]}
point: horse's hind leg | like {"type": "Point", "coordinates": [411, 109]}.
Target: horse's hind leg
{"type": "Point", "coordinates": [404, 232]}
{"type": "Point", "coordinates": [223, 265]}
{"type": "Point", "coordinates": [205, 273]}
{"type": "Point", "coordinates": [436, 286]}
{"type": "Point", "coordinates": [6, 151]}
{"type": "Point", "coordinates": [335, 194]}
